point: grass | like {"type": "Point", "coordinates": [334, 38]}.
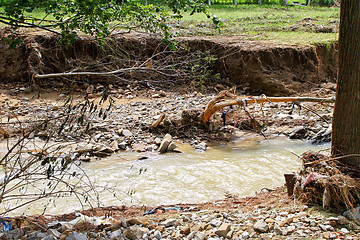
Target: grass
{"type": "Point", "coordinates": [288, 25]}
{"type": "Point", "coordinates": [275, 23]}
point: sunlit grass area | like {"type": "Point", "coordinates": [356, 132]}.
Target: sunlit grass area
{"type": "Point", "coordinates": [301, 25]}
{"type": "Point", "coordinates": [282, 24]}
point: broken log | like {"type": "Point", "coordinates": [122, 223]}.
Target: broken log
{"type": "Point", "coordinates": [226, 98]}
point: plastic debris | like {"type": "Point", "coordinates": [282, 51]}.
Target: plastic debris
{"type": "Point", "coordinates": [6, 225]}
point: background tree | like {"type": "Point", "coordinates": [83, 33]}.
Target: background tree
{"type": "Point", "coordinates": [346, 123]}
{"type": "Point", "coordinates": [98, 18]}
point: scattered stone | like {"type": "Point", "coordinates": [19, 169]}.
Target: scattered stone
{"type": "Point", "coordinates": [114, 146]}
{"type": "Point", "coordinates": [157, 234]}
{"type": "Point", "coordinates": [201, 146]}
{"type": "Point", "coordinates": [157, 141]}
{"type": "Point", "coordinates": [116, 234]}
{"type": "Point", "coordinates": [76, 236]}
{"type": "Point", "coordinates": [342, 220]}
{"type": "Point", "coordinates": [245, 235]}
{"type": "Point", "coordinates": [156, 96]}
{"type": "Point", "coordinates": [165, 143]}
{"type": "Point", "coordinates": [299, 132]}
{"type": "Point", "coordinates": [261, 226]}
{"type": "Point", "coordinates": [169, 222]}
{"type": "Point", "coordinates": [185, 230]}
{"type": "Point", "coordinates": [171, 147]}
{"type": "Point", "coordinates": [122, 145]}
{"type": "Point", "coordinates": [223, 229]}
{"type": "Point", "coordinates": [134, 221]}
{"type": "Point", "coordinates": [127, 133]}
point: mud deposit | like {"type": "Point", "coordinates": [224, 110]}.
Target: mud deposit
{"type": "Point", "coordinates": [254, 67]}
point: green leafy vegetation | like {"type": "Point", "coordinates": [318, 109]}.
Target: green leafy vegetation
{"type": "Point", "coordinates": [98, 18]}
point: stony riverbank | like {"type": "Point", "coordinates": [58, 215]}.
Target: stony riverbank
{"type": "Point", "coordinates": [268, 215]}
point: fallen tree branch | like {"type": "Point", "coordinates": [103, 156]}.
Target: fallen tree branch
{"type": "Point", "coordinates": [226, 98]}
{"type": "Point", "coordinates": [66, 74]}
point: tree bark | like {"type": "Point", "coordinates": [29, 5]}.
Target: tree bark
{"type": "Point", "coordinates": [308, 3]}
{"type": "Point", "coordinates": [285, 2]}
{"type": "Point", "coordinates": [346, 122]}
{"type": "Point", "coordinates": [259, 2]}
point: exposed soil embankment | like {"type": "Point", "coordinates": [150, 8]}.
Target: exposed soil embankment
{"type": "Point", "coordinates": [254, 67]}
{"type": "Point", "coordinates": [266, 68]}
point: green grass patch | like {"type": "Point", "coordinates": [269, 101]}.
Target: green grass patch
{"type": "Point", "coordinates": [288, 25]}
{"type": "Point", "coordinates": [276, 23]}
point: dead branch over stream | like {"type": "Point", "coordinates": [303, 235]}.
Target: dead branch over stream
{"type": "Point", "coordinates": [226, 98]}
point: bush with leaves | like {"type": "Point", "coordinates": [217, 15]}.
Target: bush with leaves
{"type": "Point", "coordinates": [98, 18]}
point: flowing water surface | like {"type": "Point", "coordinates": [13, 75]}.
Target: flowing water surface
{"type": "Point", "coordinates": [242, 168]}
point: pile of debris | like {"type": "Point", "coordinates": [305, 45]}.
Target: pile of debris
{"type": "Point", "coordinates": [327, 182]}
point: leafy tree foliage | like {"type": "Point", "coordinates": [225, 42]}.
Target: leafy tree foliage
{"type": "Point", "coordinates": [98, 18]}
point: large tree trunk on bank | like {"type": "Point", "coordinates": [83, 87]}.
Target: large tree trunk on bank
{"type": "Point", "coordinates": [346, 122]}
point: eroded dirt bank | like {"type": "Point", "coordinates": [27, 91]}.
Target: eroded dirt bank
{"type": "Point", "coordinates": [254, 67]}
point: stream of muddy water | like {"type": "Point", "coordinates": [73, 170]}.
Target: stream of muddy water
{"type": "Point", "coordinates": [242, 168]}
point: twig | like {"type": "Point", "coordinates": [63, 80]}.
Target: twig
{"type": "Point", "coordinates": [332, 159]}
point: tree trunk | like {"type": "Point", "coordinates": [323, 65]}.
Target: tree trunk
{"type": "Point", "coordinates": [346, 122]}
{"type": "Point", "coordinates": [259, 1]}
{"type": "Point", "coordinates": [308, 3]}
{"type": "Point", "coordinates": [285, 2]}
{"type": "Point", "coordinates": [209, 2]}
{"type": "Point", "coordinates": [236, 2]}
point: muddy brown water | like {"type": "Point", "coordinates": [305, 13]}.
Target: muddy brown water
{"type": "Point", "coordinates": [242, 168]}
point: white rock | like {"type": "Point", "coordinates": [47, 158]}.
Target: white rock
{"type": "Point", "coordinates": [165, 143]}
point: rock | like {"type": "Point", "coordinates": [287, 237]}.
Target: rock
{"type": "Point", "coordinates": [201, 146]}
{"type": "Point", "coordinates": [200, 236]}
{"type": "Point", "coordinates": [116, 234]}
{"type": "Point", "coordinates": [123, 222]}
{"type": "Point", "coordinates": [54, 233]}
{"type": "Point", "coordinates": [139, 147]}
{"type": "Point", "coordinates": [165, 143]}
{"type": "Point", "coordinates": [134, 221]}
{"type": "Point", "coordinates": [245, 235]}
{"type": "Point", "coordinates": [169, 222]}
{"type": "Point", "coordinates": [261, 226]}
{"type": "Point", "coordinates": [155, 96]}
{"type": "Point", "coordinates": [322, 136]}
{"type": "Point", "coordinates": [215, 222]}
{"type": "Point", "coordinates": [135, 232]}
{"type": "Point", "coordinates": [326, 235]}
{"type": "Point", "coordinates": [344, 231]}
{"type": "Point", "coordinates": [49, 238]}
{"type": "Point", "coordinates": [157, 141]}
{"type": "Point", "coordinates": [122, 145]}
{"type": "Point", "coordinates": [157, 234]}
{"type": "Point", "coordinates": [185, 230]}
{"type": "Point", "coordinates": [76, 236]}
{"type": "Point", "coordinates": [223, 229]}
{"type": "Point", "coordinates": [326, 227]}
{"type": "Point", "coordinates": [277, 229]}
{"type": "Point", "coordinates": [299, 132]}
{"type": "Point", "coordinates": [171, 147]}
{"type": "Point", "coordinates": [14, 234]}
{"type": "Point", "coordinates": [288, 230]}
{"type": "Point", "coordinates": [342, 220]}
{"type": "Point", "coordinates": [114, 146]}
{"type": "Point", "coordinates": [127, 133]}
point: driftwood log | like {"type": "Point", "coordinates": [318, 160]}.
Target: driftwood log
{"type": "Point", "coordinates": [226, 98]}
